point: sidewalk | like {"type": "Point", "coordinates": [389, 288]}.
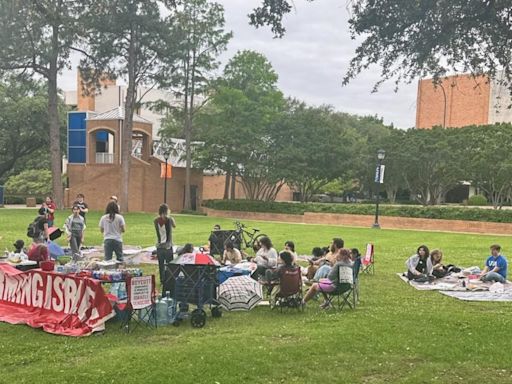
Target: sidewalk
{"type": "Point", "coordinates": [19, 206]}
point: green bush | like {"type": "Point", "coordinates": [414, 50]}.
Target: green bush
{"type": "Point", "coordinates": [477, 200]}
{"type": "Point", "coordinates": [437, 212]}
{"type": "Point", "coordinates": [31, 182]}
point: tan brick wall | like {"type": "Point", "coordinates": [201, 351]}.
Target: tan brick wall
{"type": "Point", "coordinates": [87, 103]}
{"type": "Point", "coordinates": [100, 181]}
{"type": "Point", "coordinates": [467, 102]}
{"type": "Point", "coordinates": [366, 221]}
{"type": "Point", "coordinates": [214, 189]}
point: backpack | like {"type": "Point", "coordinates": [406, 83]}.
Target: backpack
{"type": "Point", "coordinates": [33, 230]}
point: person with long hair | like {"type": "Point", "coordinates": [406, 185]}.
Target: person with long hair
{"type": "Point", "coordinates": [419, 265]}
{"type": "Point", "coordinates": [112, 226]}
{"type": "Point", "coordinates": [266, 257]}
{"type": "Point", "coordinates": [163, 227]}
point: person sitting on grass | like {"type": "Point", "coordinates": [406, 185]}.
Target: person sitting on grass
{"type": "Point", "coordinates": [419, 265]}
{"type": "Point", "coordinates": [317, 253]}
{"type": "Point", "coordinates": [231, 255]}
{"type": "Point", "coordinates": [19, 246]}
{"type": "Point", "coordinates": [329, 259]}
{"type": "Point", "coordinates": [438, 269]}
{"type": "Point", "coordinates": [285, 264]}
{"type": "Point", "coordinates": [266, 258]}
{"type": "Point", "coordinates": [289, 246]}
{"type": "Point", "coordinates": [329, 284]}
{"type": "Point", "coordinates": [495, 266]}
{"type": "Point", "coordinates": [38, 251]}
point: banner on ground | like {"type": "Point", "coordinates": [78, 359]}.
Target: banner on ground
{"type": "Point", "coordinates": [60, 304]}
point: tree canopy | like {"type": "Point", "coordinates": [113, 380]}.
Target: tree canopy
{"type": "Point", "coordinates": [411, 39]}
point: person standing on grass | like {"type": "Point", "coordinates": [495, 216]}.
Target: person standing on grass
{"type": "Point", "coordinates": [163, 227]}
{"type": "Point", "coordinates": [495, 266]}
{"type": "Point", "coordinates": [74, 227]}
{"type": "Point", "coordinates": [112, 226]}
{"type": "Point", "coordinates": [49, 208]}
{"type": "Point", "coordinates": [82, 205]}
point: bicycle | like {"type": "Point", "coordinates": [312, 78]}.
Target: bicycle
{"type": "Point", "coordinates": [244, 237]}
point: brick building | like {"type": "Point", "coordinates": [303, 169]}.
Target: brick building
{"type": "Point", "coordinates": [94, 137]}
{"type": "Point", "coordinates": [462, 100]}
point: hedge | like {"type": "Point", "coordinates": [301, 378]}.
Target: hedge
{"type": "Point", "coordinates": [435, 212]}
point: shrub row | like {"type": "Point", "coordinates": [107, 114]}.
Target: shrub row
{"type": "Point", "coordinates": [437, 212]}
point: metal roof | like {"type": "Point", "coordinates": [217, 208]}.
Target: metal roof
{"type": "Point", "coordinates": [118, 114]}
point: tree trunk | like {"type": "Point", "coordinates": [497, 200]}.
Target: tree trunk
{"type": "Point", "coordinates": [233, 186]}
{"type": "Point", "coordinates": [53, 117]}
{"type": "Point", "coordinates": [188, 156]}
{"type": "Point", "coordinates": [127, 129]}
{"type": "Point", "coordinates": [226, 185]}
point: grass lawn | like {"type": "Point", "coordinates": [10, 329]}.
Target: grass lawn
{"type": "Point", "coordinates": [396, 334]}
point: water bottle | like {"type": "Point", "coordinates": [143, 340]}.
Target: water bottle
{"type": "Point", "coordinates": [170, 308]}
{"type": "Point", "coordinates": [161, 311]}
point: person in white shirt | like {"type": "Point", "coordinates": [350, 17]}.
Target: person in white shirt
{"type": "Point", "coordinates": [112, 226]}
{"type": "Point", "coordinates": [266, 258]}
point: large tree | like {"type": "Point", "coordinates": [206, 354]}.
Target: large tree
{"type": "Point", "coordinates": [126, 39]}
{"type": "Point", "coordinates": [37, 37]}
{"type": "Point", "coordinates": [487, 163]}
{"type": "Point", "coordinates": [197, 26]}
{"type": "Point", "coordinates": [411, 39]}
{"type": "Point", "coordinates": [314, 147]}
{"type": "Point", "coordinates": [23, 124]}
{"type": "Point", "coordinates": [239, 138]}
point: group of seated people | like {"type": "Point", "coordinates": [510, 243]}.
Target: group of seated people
{"type": "Point", "coordinates": [323, 271]}
{"type": "Point", "coordinates": [427, 265]}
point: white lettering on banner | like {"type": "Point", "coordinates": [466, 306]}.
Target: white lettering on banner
{"type": "Point", "coordinates": [11, 286]}
{"type": "Point", "coordinates": [57, 301]}
{"type": "Point", "coordinates": [48, 294]}
{"type": "Point", "coordinates": [2, 281]}
{"type": "Point", "coordinates": [57, 293]}
{"type": "Point", "coordinates": [86, 303]}
{"type": "Point", "coordinates": [69, 294]}
{"type": "Point", "coordinates": [26, 290]}
{"type": "Point", "coordinates": [37, 294]}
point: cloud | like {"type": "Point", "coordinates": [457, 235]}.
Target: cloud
{"type": "Point", "coordinates": [311, 60]}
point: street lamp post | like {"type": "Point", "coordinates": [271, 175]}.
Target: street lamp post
{"type": "Point", "coordinates": [166, 157]}
{"type": "Point", "coordinates": [379, 177]}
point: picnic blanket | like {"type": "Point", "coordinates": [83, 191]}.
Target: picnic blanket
{"type": "Point", "coordinates": [448, 283]}
{"type": "Point", "coordinates": [480, 296]}
{"type": "Point", "coordinates": [474, 290]}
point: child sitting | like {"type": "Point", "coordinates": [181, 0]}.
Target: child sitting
{"type": "Point", "coordinates": [286, 263]}
{"type": "Point", "coordinates": [19, 246]}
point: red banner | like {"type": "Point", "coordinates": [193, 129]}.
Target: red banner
{"type": "Point", "coordinates": [60, 304]}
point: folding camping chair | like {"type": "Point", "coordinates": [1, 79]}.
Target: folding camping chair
{"type": "Point", "coordinates": [140, 304]}
{"type": "Point", "coordinates": [368, 262]}
{"type": "Point", "coordinates": [346, 293]}
{"type": "Point", "coordinates": [290, 290]}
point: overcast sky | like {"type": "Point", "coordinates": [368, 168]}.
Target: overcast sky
{"type": "Point", "coordinates": [311, 60]}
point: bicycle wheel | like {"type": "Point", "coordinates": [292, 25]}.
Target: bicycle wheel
{"type": "Point", "coordinates": [257, 238]}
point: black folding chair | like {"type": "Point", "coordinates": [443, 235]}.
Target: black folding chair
{"type": "Point", "coordinates": [346, 292]}
{"type": "Point", "coordinates": [140, 306]}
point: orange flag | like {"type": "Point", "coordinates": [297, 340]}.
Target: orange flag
{"type": "Point", "coordinates": [162, 171]}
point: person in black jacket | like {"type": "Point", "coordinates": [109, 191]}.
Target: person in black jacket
{"type": "Point", "coordinates": [163, 227]}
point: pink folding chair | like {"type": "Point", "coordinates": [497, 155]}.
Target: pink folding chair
{"type": "Point", "coordinates": [368, 261]}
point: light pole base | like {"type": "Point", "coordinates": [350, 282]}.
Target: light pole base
{"type": "Point", "coordinates": [376, 225]}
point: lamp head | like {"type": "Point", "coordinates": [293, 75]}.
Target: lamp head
{"type": "Point", "coordinates": [381, 154]}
